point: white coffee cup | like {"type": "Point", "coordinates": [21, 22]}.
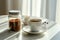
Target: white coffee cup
{"type": "Point", "coordinates": [35, 24]}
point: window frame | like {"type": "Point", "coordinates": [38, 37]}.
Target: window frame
{"type": "Point", "coordinates": [45, 5]}
{"type": "Point", "coordinates": [50, 5]}
{"type": "Point", "coordinates": [44, 8]}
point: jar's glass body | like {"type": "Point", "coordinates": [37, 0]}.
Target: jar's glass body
{"type": "Point", "coordinates": [14, 21]}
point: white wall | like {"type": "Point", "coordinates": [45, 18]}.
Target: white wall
{"type": "Point", "coordinates": [58, 12]}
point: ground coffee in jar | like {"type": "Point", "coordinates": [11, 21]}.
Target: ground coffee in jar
{"type": "Point", "coordinates": [14, 24]}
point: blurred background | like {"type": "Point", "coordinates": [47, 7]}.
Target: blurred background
{"type": "Point", "coordinates": [49, 9]}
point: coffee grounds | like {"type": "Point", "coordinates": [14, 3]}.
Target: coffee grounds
{"type": "Point", "coordinates": [14, 24]}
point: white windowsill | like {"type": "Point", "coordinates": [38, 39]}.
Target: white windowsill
{"type": "Point", "coordinates": [3, 18]}
{"type": "Point", "coordinates": [53, 31]}
{"type": "Point", "coordinates": [48, 35]}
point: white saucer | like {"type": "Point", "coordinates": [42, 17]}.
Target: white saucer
{"type": "Point", "coordinates": [28, 30]}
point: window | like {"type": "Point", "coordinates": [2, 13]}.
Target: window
{"type": "Point", "coordinates": [31, 7]}
{"type": "Point", "coordinates": [40, 8]}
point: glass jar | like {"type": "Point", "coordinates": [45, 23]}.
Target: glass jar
{"type": "Point", "coordinates": [14, 20]}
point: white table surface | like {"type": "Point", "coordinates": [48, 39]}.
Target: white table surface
{"type": "Point", "coordinates": [4, 34]}
{"type": "Point", "coordinates": [3, 18]}
{"type": "Point", "coordinates": [7, 35]}
{"type": "Point", "coordinates": [56, 37]}
{"type": "Point", "coordinates": [53, 31]}
{"type": "Point", "coordinates": [48, 35]}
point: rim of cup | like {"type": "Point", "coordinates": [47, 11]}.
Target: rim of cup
{"type": "Point", "coordinates": [39, 20]}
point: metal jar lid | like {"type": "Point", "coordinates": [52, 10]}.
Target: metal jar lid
{"type": "Point", "coordinates": [14, 12]}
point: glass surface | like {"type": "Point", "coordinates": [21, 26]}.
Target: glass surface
{"type": "Point", "coordinates": [14, 21]}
